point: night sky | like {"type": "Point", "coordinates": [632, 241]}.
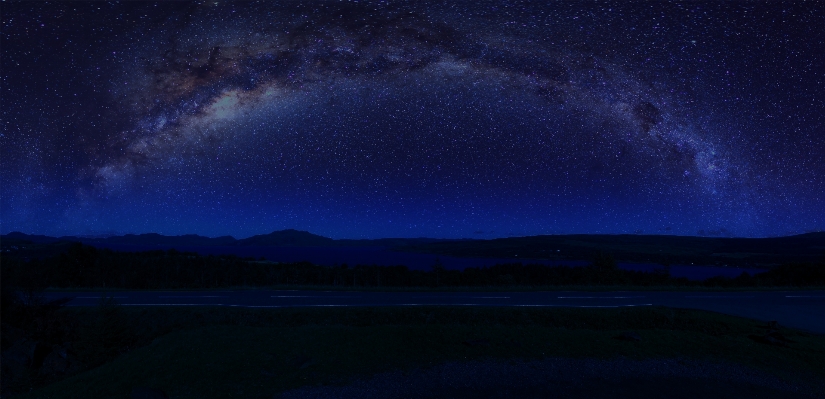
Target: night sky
{"type": "Point", "coordinates": [449, 119]}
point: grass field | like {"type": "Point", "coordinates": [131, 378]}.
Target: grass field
{"type": "Point", "coordinates": [218, 353]}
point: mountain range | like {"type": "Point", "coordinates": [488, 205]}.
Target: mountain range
{"type": "Point", "coordinates": [662, 249]}
{"type": "Point", "coordinates": [280, 238]}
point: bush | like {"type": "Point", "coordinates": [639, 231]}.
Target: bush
{"type": "Point", "coordinates": [108, 337]}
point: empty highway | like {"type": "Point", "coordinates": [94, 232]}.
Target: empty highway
{"type": "Point", "coordinates": [798, 309]}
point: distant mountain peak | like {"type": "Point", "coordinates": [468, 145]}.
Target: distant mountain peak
{"type": "Point", "coordinates": [288, 238]}
{"type": "Point", "coordinates": [294, 231]}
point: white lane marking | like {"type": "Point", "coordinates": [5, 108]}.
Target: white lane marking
{"type": "Point", "coordinates": [599, 297]}
{"type": "Point", "coordinates": [171, 304]}
{"type": "Point", "coordinates": [461, 297]}
{"type": "Point", "coordinates": [311, 296]}
{"type": "Point", "coordinates": [221, 304]}
{"type": "Point", "coordinates": [804, 296]}
{"type": "Point", "coordinates": [531, 305]}
{"type": "Point", "coordinates": [97, 297]}
{"type": "Point", "coordinates": [593, 306]}
{"type": "Point", "coordinates": [192, 296]}
{"type": "Point", "coordinates": [369, 305]}
{"type": "Point", "coordinates": [287, 306]}
{"type": "Point", "coordinates": [718, 296]}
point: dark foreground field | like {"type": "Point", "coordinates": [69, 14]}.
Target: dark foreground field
{"type": "Point", "coordinates": [112, 351]}
{"type": "Point", "coordinates": [431, 352]}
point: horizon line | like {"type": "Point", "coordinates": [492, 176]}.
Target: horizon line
{"type": "Point", "coordinates": [105, 236]}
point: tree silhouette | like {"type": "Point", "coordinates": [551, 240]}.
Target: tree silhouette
{"type": "Point", "coordinates": [604, 261]}
{"type": "Point", "coordinates": [438, 269]}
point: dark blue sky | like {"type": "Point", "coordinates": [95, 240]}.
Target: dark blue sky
{"type": "Point", "coordinates": [450, 119]}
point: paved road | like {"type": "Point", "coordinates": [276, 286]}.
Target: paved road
{"type": "Point", "coordinates": [799, 309]}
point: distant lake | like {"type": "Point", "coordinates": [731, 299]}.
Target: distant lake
{"type": "Point", "coordinates": [335, 256]}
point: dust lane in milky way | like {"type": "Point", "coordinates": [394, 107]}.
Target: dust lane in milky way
{"type": "Point", "coordinates": [359, 119]}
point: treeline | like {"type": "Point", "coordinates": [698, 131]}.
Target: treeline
{"type": "Point", "coordinates": [82, 266]}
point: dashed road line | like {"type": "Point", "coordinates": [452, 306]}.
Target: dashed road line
{"type": "Point", "coordinates": [311, 296]}
{"type": "Point", "coordinates": [600, 297]}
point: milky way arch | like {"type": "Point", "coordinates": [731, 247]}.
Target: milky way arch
{"type": "Point", "coordinates": [202, 76]}
{"type": "Point", "coordinates": [446, 119]}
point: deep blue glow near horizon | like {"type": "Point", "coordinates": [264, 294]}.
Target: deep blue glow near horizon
{"type": "Point", "coordinates": [445, 119]}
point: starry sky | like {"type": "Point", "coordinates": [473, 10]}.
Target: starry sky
{"type": "Point", "coordinates": [359, 119]}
